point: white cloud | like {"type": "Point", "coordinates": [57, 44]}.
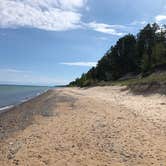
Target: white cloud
{"type": "Point", "coordinates": [88, 64]}
{"type": "Point", "coordinates": [51, 15]}
{"type": "Point", "coordinates": [71, 4]}
{"type": "Point", "coordinates": [15, 76]}
{"type": "Point", "coordinates": [102, 38]}
{"type": "Point", "coordinates": [105, 28]}
{"type": "Point", "coordinates": [138, 23]}
{"type": "Point", "coordinates": [160, 18]}
{"type": "Point", "coordinates": [43, 14]}
{"type": "Point", "coordinates": [14, 71]}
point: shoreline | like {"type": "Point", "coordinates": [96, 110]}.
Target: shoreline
{"type": "Point", "coordinates": [5, 108]}
{"type": "Point", "coordinates": [21, 115]}
{"type": "Point", "coordinates": [27, 99]}
{"type": "Point", "coordinates": [94, 126]}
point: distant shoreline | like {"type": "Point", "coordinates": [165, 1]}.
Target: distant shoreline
{"type": "Point", "coordinates": [26, 99]}
{"type": "Point", "coordinates": [13, 95]}
{"type": "Point", "coordinates": [9, 107]}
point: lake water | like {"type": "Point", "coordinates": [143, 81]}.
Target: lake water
{"type": "Point", "coordinates": [11, 95]}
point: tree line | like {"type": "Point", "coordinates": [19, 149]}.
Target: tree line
{"type": "Point", "coordinates": [131, 54]}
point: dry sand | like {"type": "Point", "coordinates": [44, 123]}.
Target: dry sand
{"type": "Point", "coordinates": [100, 126]}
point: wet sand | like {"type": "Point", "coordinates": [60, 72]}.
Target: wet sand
{"type": "Point", "coordinates": [100, 126]}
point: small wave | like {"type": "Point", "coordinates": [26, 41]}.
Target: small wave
{"type": "Point", "coordinates": [6, 107]}
{"type": "Point", "coordinates": [39, 93]}
{"type": "Point", "coordinates": [24, 100]}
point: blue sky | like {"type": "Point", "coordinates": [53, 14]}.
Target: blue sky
{"type": "Point", "coordinates": [48, 42]}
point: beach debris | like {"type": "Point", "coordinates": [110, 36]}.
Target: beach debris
{"type": "Point", "coordinates": [13, 149]}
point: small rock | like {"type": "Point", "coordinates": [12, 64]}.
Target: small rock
{"type": "Point", "coordinates": [10, 156]}
{"type": "Point", "coordinates": [16, 162]}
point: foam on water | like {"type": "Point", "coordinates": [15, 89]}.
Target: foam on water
{"type": "Point", "coordinates": [6, 107]}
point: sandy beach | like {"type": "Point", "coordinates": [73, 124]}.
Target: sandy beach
{"type": "Point", "coordinates": [99, 126]}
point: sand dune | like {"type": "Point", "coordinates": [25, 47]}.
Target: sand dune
{"type": "Point", "coordinates": [100, 126]}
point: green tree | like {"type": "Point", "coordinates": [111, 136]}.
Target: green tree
{"type": "Point", "coordinates": [129, 55]}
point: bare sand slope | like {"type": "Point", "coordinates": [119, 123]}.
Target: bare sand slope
{"type": "Point", "coordinates": [101, 126]}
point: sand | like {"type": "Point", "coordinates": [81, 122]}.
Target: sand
{"type": "Point", "coordinates": [100, 126]}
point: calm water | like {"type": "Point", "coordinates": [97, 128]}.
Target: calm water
{"type": "Point", "coordinates": [14, 94]}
